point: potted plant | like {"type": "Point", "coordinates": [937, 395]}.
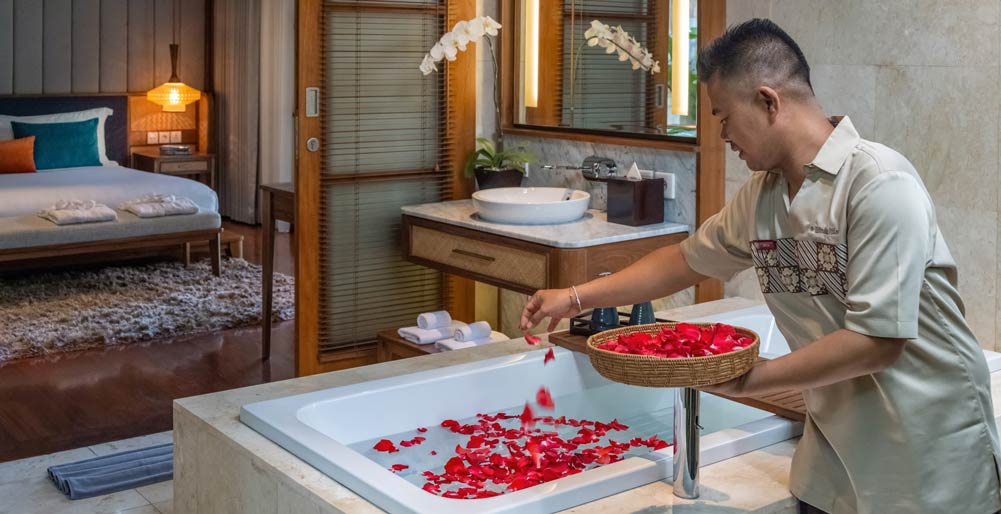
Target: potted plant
{"type": "Point", "coordinates": [497, 168]}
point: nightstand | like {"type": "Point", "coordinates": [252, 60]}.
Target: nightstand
{"type": "Point", "coordinates": [197, 166]}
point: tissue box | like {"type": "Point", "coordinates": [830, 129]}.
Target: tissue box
{"type": "Point", "coordinates": [636, 202]}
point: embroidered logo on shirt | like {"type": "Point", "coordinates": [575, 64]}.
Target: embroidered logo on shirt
{"type": "Point", "coordinates": [791, 266]}
{"type": "Point", "coordinates": [823, 230]}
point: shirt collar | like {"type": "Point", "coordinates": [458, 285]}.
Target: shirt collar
{"type": "Point", "coordinates": [838, 147]}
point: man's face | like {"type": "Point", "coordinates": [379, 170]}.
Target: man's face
{"type": "Point", "coordinates": [746, 123]}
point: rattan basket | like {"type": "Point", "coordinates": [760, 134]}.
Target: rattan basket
{"type": "Point", "coordinates": [649, 371]}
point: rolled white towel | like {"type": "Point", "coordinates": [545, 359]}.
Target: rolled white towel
{"type": "Point", "coordinates": [78, 211]}
{"type": "Point", "coordinates": [474, 331]}
{"type": "Point", "coordinates": [157, 205]}
{"type": "Point", "coordinates": [419, 335]}
{"type": "Point", "coordinates": [436, 319]}
{"type": "Point", "coordinates": [452, 344]}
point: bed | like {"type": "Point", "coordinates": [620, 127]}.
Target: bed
{"type": "Point", "coordinates": [25, 236]}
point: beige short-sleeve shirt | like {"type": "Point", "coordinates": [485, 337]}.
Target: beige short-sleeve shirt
{"type": "Point", "coordinates": [859, 248]}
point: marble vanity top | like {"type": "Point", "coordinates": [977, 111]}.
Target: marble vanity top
{"type": "Point", "coordinates": [591, 230]}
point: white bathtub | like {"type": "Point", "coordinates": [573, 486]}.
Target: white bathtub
{"type": "Point", "coordinates": [334, 429]}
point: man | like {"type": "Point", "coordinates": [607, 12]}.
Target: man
{"type": "Point", "coordinates": [843, 236]}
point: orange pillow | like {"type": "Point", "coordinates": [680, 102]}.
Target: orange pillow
{"type": "Point", "coordinates": [18, 155]}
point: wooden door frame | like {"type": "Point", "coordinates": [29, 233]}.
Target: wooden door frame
{"type": "Point", "coordinates": [461, 96]}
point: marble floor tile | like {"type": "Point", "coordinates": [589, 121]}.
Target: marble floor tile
{"type": "Point", "coordinates": [34, 467]}
{"type": "Point", "coordinates": [145, 509]}
{"type": "Point", "coordinates": [38, 496]}
{"type": "Point", "coordinates": [157, 493]}
{"type": "Point", "coordinates": [166, 507]}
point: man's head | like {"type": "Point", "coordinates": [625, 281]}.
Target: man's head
{"type": "Point", "coordinates": [758, 82]}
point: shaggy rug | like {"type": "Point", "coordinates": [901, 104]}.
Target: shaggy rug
{"type": "Point", "coordinates": [73, 310]}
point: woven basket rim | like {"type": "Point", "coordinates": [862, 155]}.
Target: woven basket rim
{"type": "Point", "coordinates": [592, 346]}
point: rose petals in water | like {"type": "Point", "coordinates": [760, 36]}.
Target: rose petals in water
{"type": "Point", "coordinates": [532, 340]}
{"type": "Point", "coordinates": [544, 399]}
{"type": "Point", "coordinates": [549, 357]}
{"type": "Point", "coordinates": [385, 445]}
{"type": "Point", "coordinates": [399, 467]}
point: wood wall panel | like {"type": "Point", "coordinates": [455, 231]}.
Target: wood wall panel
{"type": "Point", "coordinates": [86, 50]}
{"type": "Point", "coordinates": [28, 16]}
{"type": "Point", "coordinates": [6, 47]}
{"type": "Point", "coordinates": [57, 46]}
{"type": "Point", "coordinates": [114, 57]}
{"type": "Point", "coordinates": [98, 46]}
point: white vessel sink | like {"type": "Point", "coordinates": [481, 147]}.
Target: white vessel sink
{"type": "Point", "coordinates": [531, 205]}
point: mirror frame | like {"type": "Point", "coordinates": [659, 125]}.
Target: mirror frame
{"type": "Point", "coordinates": [709, 150]}
{"type": "Point", "coordinates": [711, 15]}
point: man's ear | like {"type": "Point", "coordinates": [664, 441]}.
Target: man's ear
{"type": "Point", "coordinates": [769, 99]}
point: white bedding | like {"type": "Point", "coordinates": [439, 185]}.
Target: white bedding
{"type": "Point", "coordinates": [27, 193]}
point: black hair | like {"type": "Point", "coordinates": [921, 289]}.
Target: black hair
{"type": "Point", "coordinates": [757, 49]}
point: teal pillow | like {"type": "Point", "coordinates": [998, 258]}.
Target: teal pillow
{"type": "Point", "coordinates": [62, 145]}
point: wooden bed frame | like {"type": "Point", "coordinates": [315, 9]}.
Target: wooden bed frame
{"type": "Point", "coordinates": [117, 146]}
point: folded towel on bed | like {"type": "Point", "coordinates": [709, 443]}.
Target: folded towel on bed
{"type": "Point", "coordinates": [78, 211]}
{"type": "Point", "coordinates": [418, 335]}
{"type": "Point", "coordinates": [155, 206]}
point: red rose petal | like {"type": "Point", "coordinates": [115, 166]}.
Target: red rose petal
{"type": "Point", "coordinates": [399, 467]}
{"type": "Point", "coordinates": [549, 357]}
{"type": "Point", "coordinates": [532, 340]}
{"type": "Point", "coordinates": [544, 399]}
{"type": "Point", "coordinates": [385, 445]}
{"type": "Point", "coordinates": [527, 418]}
{"type": "Point", "coordinates": [455, 466]}
{"type": "Point", "coordinates": [422, 429]}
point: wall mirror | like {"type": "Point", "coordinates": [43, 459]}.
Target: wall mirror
{"type": "Point", "coordinates": [616, 67]}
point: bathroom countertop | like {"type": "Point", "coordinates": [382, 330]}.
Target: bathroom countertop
{"type": "Point", "coordinates": [591, 230]}
{"type": "Point", "coordinates": [223, 466]}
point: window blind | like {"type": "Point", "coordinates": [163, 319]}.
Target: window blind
{"type": "Point", "coordinates": [384, 145]}
{"type": "Point", "coordinates": [604, 93]}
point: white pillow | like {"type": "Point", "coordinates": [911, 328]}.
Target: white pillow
{"type": "Point", "coordinates": [101, 113]}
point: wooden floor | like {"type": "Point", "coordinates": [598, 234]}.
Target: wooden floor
{"type": "Point", "coordinates": [82, 398]}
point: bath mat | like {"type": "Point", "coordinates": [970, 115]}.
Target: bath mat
{"type": "Point", "coordinates": [112, 473]}
{"type": "Point", "coordinates": [44, 313]}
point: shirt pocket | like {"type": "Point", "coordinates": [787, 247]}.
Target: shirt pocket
{"type": "Point", "coordinates": [790, 265]}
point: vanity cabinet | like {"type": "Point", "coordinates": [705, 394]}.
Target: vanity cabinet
{"type": "Point", "coordinates": [515, 264]}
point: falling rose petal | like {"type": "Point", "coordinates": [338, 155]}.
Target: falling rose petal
{"type": "Point", "coordinates": [544, 399]}
{"type": "Point", "coordinates": [527, 418]}
{"type": "Point", "coordinates": [549, 357]}
{"type": "Point", "coordinates": [532, 340]}
{"type": "Point", "coordinates": [385, 445]}
{"type": "Point", "coordinates": [533, 450]}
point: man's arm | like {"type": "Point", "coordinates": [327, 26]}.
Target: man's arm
{"type": "Point", "coordinates": [660, 273]}
{"type": "Point", "coordinates": [840, 355]}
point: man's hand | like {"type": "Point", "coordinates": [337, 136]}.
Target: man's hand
{"type": "Point", "coordinates": [555, 304]}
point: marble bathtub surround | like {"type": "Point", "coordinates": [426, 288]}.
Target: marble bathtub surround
{"type": "Point", "coordinates": [590, 230]}
{"type": "Point", "coordinates": [262, 478]}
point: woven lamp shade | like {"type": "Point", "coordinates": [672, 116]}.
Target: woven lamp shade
{"type": "Point", "coordinates": [173, 96]}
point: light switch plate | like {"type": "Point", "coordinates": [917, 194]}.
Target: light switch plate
{"type": "Point", "coordinates": [175, 136]}
{"type": "Point", "coordinates": [152, 138]}
{"type": "Point", "coordinates": [164, 137]}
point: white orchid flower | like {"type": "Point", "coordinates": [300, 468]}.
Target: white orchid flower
{"type": "Point", "coordinates": [427, 65]}
{"type": "Point", "coordinates": [460, 35]}
{"type": "Point", "coordinates": [437, 52]}
{"type": "Point", "coordinates": [490, 25]}
{"type": "Point", "coordinates": [616, 40]}
{"type": "Point", "coordinates": [475, 29]}
{"type": "Point", "coordinates": [450, 45]}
